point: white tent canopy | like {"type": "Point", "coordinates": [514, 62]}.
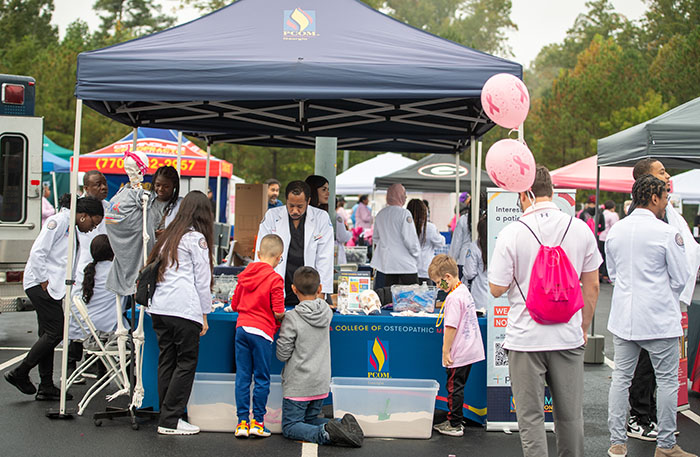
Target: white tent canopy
{"type": "Point", "coordinates": [686, 186]}
{"type": "Point", "coordinates": [359, 179]}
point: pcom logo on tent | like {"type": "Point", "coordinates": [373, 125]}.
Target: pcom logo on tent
{"type": "Point", "coordinates": [299, 24]}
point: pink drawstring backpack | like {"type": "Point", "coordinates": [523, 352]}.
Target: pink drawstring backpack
{"type": "Point", "coordinates": [554, 294]}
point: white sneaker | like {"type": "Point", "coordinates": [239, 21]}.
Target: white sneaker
{"type": "Point", "coordinates": [183, 428]}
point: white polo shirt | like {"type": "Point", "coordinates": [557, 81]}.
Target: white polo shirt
{"type": "Point", "coordinates": [513, 257]}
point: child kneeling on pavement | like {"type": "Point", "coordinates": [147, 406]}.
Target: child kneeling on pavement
{"type": "Point", "coordinates": [304, 346]}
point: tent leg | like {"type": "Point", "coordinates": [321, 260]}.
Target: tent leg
{"type": "Point", "coordinates": [206, 175]}
{"type": "Point", "coordinates": [476, 199]}
{"type": "Point", "coordinates": [472, 182]}
{"type": "Point", "coordinates": [179, 156]}
{"type": "Point", "coordinates": [325, 163]}
{"type": "Point", "coordinates": [62, 412]}
{"type": "Point", "coordinates": [55, 190]}
{"type": "Point", "coordinates": [596, 343]}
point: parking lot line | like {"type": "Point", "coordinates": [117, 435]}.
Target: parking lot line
{"type": "Point", "coordinates": [11, 362]}
{"type": "Point", "coordinates": [309, 449]}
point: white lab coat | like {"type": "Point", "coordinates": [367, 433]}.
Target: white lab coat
{"type": "Point", "coordinates": [342, 236]}
{"type": "Point", "coordinates": [646, 261]}
{"type": "Point", "coordinates": [49, 255]}
{"type": "Point", "coordinates": [396, 245]}
{"type": "Point", "coordinates": [474, 271]}
{"type": "Point", "coordinates": [461, 238]}
{"type": "Point", "coordinates": [84, 241]}
{"type": "Point", "coordinates": [173, 212]}
{"type": "Point", "coordinates": [692, 251]}
{"type": "Point", "coordinates": [433, 240]}
{"type": "Point", "coordinates": [185, 290]}
{"type": "Point", "coordinates": [101, 307]}
{"type": "Point", "coordinates": [318, 241]}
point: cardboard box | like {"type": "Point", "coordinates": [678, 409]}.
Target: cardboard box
{"type": "Point", "coordinates": [251, 205]}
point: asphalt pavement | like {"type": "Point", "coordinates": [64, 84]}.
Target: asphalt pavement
{"type": "Point", "coordinates": [26, 431]}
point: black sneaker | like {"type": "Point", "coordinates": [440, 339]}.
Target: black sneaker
{"type": "Point", "coordinates": [342, 436]}
{"type": "Point", "coordinates": [645, 432]}
{"type": "Point", "coordinates": [50, 393]}
{"type": "Point", "coordinates": [350, 423]}
{"type": "Point", "coordinates": [23, 383]}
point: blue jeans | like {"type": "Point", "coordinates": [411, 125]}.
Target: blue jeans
{"type": "Point", "coordinates": [300, 421]}
{"type": "Point", "coordinates": [253, 358]}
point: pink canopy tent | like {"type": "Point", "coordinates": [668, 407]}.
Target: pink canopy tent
{"type": "Point", "coordinates": [582, 175]}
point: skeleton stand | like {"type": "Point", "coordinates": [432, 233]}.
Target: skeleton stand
{"type": "Point", "coordinates": [134, 387]}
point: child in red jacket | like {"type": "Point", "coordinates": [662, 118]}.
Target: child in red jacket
{"type": "Point", "coordinates": [259, 300]}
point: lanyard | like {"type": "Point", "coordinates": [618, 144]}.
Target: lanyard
{"type": "Point", "coordinates": [441, 314]}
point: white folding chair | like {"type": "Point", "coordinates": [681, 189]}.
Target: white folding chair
{"type": "Point", "coordinates": [105, 354]}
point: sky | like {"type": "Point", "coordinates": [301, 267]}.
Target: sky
{"type": "Point", "coordinates": [540, 22]}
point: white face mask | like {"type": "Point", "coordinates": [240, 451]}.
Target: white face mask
{"type": "Point", "coordinates": [135, 170]}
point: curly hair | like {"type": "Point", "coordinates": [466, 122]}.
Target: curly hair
{"type": "Point", "coordinates": [645, 187]}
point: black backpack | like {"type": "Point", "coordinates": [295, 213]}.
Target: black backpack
{"type": "Point", "coordinates": [146, 283]}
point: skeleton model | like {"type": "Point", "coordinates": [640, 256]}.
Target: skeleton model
{"type": "Point", "coordinates": [123, 221]}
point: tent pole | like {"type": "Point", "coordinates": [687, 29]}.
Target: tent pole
{"type": "Point", "coordinates": [325, 164]}
{"type": "Point", "coordinates": [206, 176]}
{"type": "Point", "coordinates": [476, 200]}
{"type": "Point", "coordinates": [218, 195]}
{"type": "Point", "coordinates": [472, 182]}
{"type": "Point", "coordinates": [71, 248]}
{"type": "Point", "coordinates": [179, 154]}
{"type": "Point", "coordinates": [456, 188]}
{"type": "Point", "coordinates": [55, 190]}
{"type": "Point", "coordinates": [595, 225]}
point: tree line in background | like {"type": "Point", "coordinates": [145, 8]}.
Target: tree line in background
{"type": "Point", "coordinates": [609, 73]}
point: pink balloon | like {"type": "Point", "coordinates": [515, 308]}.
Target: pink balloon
{"type": "Point", "coordinates": [505, 100]}
{"type": "Point", "coordinates": [510, 165]}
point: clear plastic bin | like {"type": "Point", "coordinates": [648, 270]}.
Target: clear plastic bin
{"type": "Point", "coordinates": [414, 298]}
{"type": "Point", "coordinates": [212, 405]}
{"type": "Point", "coordinates": [387, 408]}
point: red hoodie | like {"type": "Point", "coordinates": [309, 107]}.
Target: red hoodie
{"type": "Point", "coordinates": [259, 292]}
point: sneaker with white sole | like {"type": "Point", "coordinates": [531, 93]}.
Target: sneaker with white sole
{"type": "Point", "coordinates": [183, 428]}
{"type": "Point", "coordinates": [258, 429]}
{"type": "Point", "coordinates": [242, 430]}
{"type": "Point", "coordinates": [645, 432]}
{"type": "Point", "coordinates": [618, 450]}
{"type": "Point", "coordinates": [448, 429]}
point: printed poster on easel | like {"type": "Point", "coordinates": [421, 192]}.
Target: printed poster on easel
{"type": "Point", "coordinates": [501, 410]}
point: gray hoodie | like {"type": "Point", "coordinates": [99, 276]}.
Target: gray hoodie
{"type": "Point", "coordinates": [304, 344]}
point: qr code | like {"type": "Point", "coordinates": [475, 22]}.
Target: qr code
{"type": "Point", "coordinates": [500, 357]}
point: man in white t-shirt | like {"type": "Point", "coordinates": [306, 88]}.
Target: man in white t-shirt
{"type": "Point", "coordinates": [539, 352]}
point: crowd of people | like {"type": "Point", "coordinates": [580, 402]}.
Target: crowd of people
{"type": "Point", "coordinates": [287, 290]}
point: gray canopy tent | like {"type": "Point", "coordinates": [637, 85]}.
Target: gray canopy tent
{"type": "Point", "coordinates": [333, 75]}
{"type": "Point", "coordinates": [673, 138]}
{"type": "Point", "coordinates": [432, 174]}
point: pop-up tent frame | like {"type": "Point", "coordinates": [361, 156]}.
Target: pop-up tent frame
{"type": "Point", "coordinates": [337, 74]}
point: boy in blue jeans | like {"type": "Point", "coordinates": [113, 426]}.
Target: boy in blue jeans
{"type": "Point", "coordinates": [304, 346]}
{"type": "Point", "coordinates": [259, 300]}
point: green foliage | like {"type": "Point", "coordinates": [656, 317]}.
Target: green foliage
{"type": "Point", "coordinates": [126, 19]}
{"type": "Point", "coordinates": [207, 6]}
{"type": "Point", "coordinates": [676, 68]}
{"type": "Point", "coordinates": [20, 18]}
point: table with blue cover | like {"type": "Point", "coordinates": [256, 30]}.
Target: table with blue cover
{"type": "Point", "coordinates": [381, 346]}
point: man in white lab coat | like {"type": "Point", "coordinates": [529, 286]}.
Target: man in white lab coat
{"type": "Point", "coordinates": [308, 238]}
{"type": "Point", "coordinates": [647, 263]}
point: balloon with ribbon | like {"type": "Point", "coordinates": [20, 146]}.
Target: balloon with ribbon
{"type": "Point", "coordinates": [511, 165]}
{"type": "Point", "coordinates": [505, 100]}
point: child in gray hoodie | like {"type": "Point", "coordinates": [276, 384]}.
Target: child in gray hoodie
{"type": "Point", "coordinates": [304, 344]}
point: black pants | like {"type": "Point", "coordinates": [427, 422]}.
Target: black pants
{"type": "Point", "coordinates": [49, 316]}
{"type": "Point", "coordinates": [178, 342]}
{"type": "Point", "coordinates": [392, 279]}
{"type": "Point", "coordinates": [642, 398]}
{"type": "Point", "coordinates": [456, 380]}
{"type": "Point", "coordinates": [603, 270]}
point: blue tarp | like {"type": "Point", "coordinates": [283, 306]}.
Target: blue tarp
{"type": "Point", "coordinates": [54, 163]}
{"type": "Point", "coordinates": [287, 74]}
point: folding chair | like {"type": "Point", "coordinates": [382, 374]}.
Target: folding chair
{"type": "Point", "coordinates": [99, 352]}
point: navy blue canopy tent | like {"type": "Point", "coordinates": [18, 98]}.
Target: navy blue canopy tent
{"type": "Point", "coordinates": [269, 73]}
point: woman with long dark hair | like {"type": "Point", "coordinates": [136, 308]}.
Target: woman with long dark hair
{"type": "Point", "coordinates": [428, 237]}
{"type": "Point", "coordinates": [320, 194]}
{"type": "Point", "coordinates": [44, 284]}
{"type": "Point", "coordinates": [166, 185]}
{"type": "Point", "coordinates": [180, 305]}
{"type": "Point", "coordinates": [476, 265]}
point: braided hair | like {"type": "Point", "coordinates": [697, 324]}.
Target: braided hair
{"type": "Point", "coordinates": [645, 187]}
{"type": "Point", "coordinates": [101, 250]}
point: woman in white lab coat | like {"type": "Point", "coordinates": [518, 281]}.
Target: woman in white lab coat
{"type": "Point", "coordinates": [44, 284]}
{"type": "Point", "coordinates": [166, 184]}
{"type": "Point", "coordinates": [90, 286]}
{"type": "Point", "coordinates": [428, 236]}
{"type": "Point", "coordinates": [180, 305]}
{"type": "Point", "coordinates": [396, 247]}
{"type": "Point", "coordinates": [476, 268]}
{"type": "Point", "coordinates": [320, 193]}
